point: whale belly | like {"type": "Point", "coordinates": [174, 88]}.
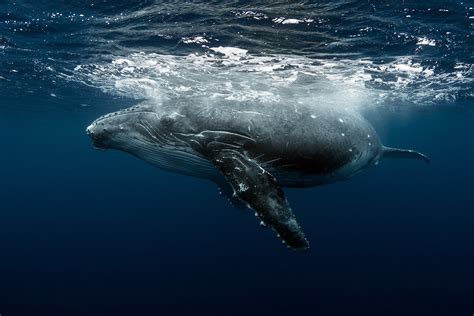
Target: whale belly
{"type": "Point", "coordinates": [307, 178]}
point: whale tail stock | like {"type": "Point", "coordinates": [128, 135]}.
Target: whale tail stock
{"type": "Point", "coordinates": [389, 152]}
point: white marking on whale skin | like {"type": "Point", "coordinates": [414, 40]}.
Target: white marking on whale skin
{"type": "Point", "coordinates": [243, 187]}
{"type": "Point", "coordinates": [252, 112]}
{"type": "Point", "coordinates": [341, 120]}
{"type": "Point", "coordinates": [174, 114]}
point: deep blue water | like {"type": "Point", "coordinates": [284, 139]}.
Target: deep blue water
{"type": "Point", "coordinates": [83, 232]}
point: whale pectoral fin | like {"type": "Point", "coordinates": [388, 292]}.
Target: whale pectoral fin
{"type": "Point", "coordinates": [226, 190]}
{"type": "Point", "coordinates": [260, 190]}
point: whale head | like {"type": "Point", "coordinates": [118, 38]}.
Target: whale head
{"type": "Point", "coordinates": [146, 133]}
{"type": "Point", "coordinates": [122, 129]}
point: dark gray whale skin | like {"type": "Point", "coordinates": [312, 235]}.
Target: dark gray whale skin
{"type": "Point", "coordinates": [256, 148]}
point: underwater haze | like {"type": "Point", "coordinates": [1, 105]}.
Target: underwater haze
{"type": "Point", "coordinates": [86, 232]}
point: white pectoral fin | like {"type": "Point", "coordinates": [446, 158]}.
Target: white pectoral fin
{"type": "Point", "coordinates": [260, 190]}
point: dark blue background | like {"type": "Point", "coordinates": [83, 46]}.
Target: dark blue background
{"type": "Point", "coordinates": [93, 233]}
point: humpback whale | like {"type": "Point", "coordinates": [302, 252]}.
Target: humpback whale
{"type": "Point", "coordinates": [251, 151]}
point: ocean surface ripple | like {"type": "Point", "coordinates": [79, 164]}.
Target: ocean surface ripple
{"type": "Point", "coordinates": [382, 53]}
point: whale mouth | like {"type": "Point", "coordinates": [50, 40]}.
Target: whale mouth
{"type": "Point", "coordinates": [96, 138]}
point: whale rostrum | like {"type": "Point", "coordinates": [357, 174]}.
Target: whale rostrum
{"type": "Point", "coordinates": [250, 150]}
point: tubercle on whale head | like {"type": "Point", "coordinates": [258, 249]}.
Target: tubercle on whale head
{"type": "Point", "coordinates": [99, 135]}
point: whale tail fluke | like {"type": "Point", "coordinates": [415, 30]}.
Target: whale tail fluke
{"type": "Point", "coordinates": [389, 152]}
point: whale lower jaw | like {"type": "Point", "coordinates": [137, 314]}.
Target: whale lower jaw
{"type": "Point", "coordinates": [179, 159]}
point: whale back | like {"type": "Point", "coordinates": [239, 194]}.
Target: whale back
{"type": "Point", "coordinates": [310, 140]}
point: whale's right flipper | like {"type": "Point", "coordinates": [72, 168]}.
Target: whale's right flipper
{"type": "Point", "coordinates": [260, 190]}
{"type": "Point", "coordinates": [226, 189]}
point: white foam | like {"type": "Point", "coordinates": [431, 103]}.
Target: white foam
{"type": "Point", "coordinates": [408, 68]}
{"type": "Point", "coordinates": [230, 52]}
{"type": "Point", "coordinates": [282, 20]}
{"type": "Point", "coordinates": [195, 39]}
{"type": "Point", "coordinates": [123, 62]}
{"type": "Point", "coordinates": [291, 21]}
{"type": "Point", "coordinates": [426, 41]}
{"type": "Point", "coordinates": [232, 74]}
{"type": "Point", "coordinates": [251, 14]}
